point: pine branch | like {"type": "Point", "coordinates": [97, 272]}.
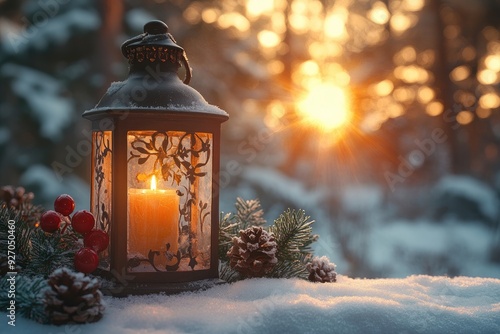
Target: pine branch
{"type": "Point", "coordinates": [25, 220]}
{"type": "Point", "coordinates": [6, 214]}
{"type": "Point", "coordinates": [290, 268]}
{"type": "Point", "coordinates": [228, 227]}
{"type": "Point", "coordinates": [293, 233]}
{"type": "Point", "coordinates": [28, 296]}
{"type": "Point", "coordinates": [227, 273]}
{"type": "Point", "coordinates": [249, 213]}
{"type": "Point", "coordinates": [49, 252]}
{"type": "Point", "coordinates": [37, 252]}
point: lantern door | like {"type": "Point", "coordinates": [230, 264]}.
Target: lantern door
{"type": "Point", "coordinates": [169, 201]}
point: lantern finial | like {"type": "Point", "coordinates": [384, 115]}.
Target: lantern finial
{"type": "Point", "coordinates": [156, 45]}
{"type": "Point", "coordinates": [155, 27]}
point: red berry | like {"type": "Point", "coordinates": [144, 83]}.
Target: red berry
{"type": "Point", "coordinates": [83, 221]}
{"type": "Point", "coordinates": [50, 221]}
{"type": "Point", "coordinates": [98, 240]}
{"type": "Point", "coordinates": [64, 204]}
{"type": "Point", "coordinates": [86, 260]}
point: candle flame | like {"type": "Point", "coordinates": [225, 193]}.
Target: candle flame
{"type": "Point", "coordinates": [153, 182]}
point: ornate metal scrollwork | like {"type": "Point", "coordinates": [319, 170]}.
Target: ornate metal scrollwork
{"type": "Point", "coordinates": [179, 158]}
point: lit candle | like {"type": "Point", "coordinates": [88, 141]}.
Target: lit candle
{"type": "Point", "coordinates": [153, 221]}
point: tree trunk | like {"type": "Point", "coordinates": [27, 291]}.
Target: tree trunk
{"type": "Point", "coordinates": [445, 93]}
{"type": "Point", "coordinates": [108, 52]}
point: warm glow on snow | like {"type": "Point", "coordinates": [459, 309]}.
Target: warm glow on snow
{"type": "Point", "coordinates": [326, 106]}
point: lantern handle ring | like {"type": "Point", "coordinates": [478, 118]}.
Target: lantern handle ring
{"type": "Point", "coordinates": [184, 59]}
{"type": "Point", "coordinates": [185, 62]}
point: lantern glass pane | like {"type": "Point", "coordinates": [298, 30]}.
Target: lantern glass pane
{"type": "Point", "coordinates": [169, 182]}
{"type": "Point", "coordinates": [100, 201]}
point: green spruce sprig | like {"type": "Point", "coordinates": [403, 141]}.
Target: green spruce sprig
{"type": "Point", "coordinates": [249, 213]}
{"type": "Point", "coordinates": [37, 254]}
{"type": "Point", "coordinates": [227, 273]}
{"type": "Point", "coordinates": [25, 220]}
{"type": "Point", "coordinates": [31, 297]}
{"type": "Point", "coordinates": [50, 251]}
{"type": "Point", "coordinates": [293, 233]}
{"type": "Point", "coordinates": [228, 227]}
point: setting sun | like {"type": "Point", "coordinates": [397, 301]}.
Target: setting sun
{"type": "Point", "coordinates": [326, 106]}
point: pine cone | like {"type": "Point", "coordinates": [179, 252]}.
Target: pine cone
{"type": "Point", "coordinates": [253, 252]}
{"type": "Point", "coordinates": [15, 197]}
{"type": "Point", "coordinates": [73, 298]}
{"type": "Point", "coordinates": [321, 270]}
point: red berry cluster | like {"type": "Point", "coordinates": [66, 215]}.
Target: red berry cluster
{"type": "Point", "coordinates": [83, 222]}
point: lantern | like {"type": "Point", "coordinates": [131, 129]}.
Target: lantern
{"type": "Point", "coordinates": [155, 163]}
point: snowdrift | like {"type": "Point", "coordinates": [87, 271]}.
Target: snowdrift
{"type": "Point", "coordinates": [416, 304]}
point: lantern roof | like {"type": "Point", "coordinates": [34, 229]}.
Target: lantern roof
{"type": "Point", "coordinates": [153, 85]}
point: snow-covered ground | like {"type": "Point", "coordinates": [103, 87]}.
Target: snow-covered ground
{"type": "Point", "coordinates": [416, 304]}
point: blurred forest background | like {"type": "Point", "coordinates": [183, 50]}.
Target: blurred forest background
{"type": "Point", "coordinates": [380, 118]}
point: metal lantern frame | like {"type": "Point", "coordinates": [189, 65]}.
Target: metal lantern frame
{"type": "Point", "coordinates": [154, 119]}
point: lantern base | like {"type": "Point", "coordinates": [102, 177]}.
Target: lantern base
{"type": "Point", "coordinates": [109, 288]}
